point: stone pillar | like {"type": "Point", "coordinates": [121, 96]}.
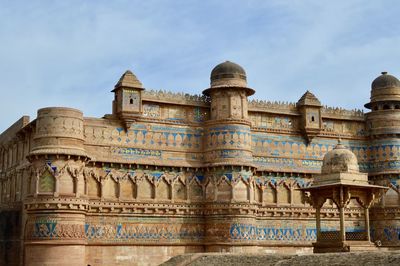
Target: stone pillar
{"type": "Point", "coordinates": [342, 227]}
{"type": "Point", "coordinates": [367, 227]}
{"type": "Point", "coordinates": [318, 222]}
{"type": "Point", "coordinates": [341, 206]}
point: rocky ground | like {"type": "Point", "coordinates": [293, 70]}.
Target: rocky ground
{"type": "Point", "coordinates": [351, 259]}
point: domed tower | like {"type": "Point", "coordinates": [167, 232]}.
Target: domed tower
{"type": "Point", "coordinates": [384, 118]}
{"type": "Point", "coordinates": [56, 186]}
{"type": "Point", "coordinates": [229, 128]}
{"type": "Point", "coordinates": [383, 124]}
{"type": "Point", "coordinates": [228, 156]}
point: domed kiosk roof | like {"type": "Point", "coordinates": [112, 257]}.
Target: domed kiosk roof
{"type": "Point", "coordinates": [228, 75]}
{"type": "Point", "coordinates": [340, 160]}
{"type": "Point", "coordinates": [340, 167]}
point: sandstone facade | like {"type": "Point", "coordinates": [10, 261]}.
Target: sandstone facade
{"type": "Point", "coordinates": [171, 173]}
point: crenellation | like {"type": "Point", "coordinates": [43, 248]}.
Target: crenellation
{"type": "Point", "coordinates": [179, 98]}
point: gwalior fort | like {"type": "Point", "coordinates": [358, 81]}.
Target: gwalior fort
{"type": "Point", "coordinates": [167, 174]}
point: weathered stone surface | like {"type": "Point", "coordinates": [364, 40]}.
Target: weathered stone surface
{"type": "Point", "coordinates": [347, 259]}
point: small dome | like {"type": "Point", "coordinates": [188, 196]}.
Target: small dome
{"type": "Point", "coordinates": [228, 75]}
{"type": "Point", "coordinates": [227, 69]}
{"type": "Point", "coordinates": [340, 160]}
{"type": "Point", "coordinates": [385, 81]}
{"type": "Point", "coordinates": [385, 88]}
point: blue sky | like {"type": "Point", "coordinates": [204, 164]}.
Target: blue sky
{"type": "Point", "coordinates": [71, 53]}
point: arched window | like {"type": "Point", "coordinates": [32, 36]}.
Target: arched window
{"type": "Point", "coordinates": [386, 107]}
{"type": "Point", "coordinates": [131, 101]}
{"type": "Point", "coordinates": [312, 119]}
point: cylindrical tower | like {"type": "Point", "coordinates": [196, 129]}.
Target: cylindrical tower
{"type": "Point", "coordinates": [383, 124]}
{"type": "Point", "coordinates": [56, 204]}
{"type": "Point", "coordinates": [229, 159]}
{"type": "Point", "coordinates": [228, 138]}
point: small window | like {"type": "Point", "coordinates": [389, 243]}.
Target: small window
{"type": "Point", "coordinates": [131, 101]}
{"type": "Point", "coordinates": [312, 119]}
{"type": "Point", "coordinates": [376, 108]}
{"type": "Point", "coordinates": [386, 107]}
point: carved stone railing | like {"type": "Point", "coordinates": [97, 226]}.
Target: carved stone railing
{"type": "Point", "coordinates": [337, 111]}
{"type": "Point", "coordinates": [329, 236]}
{"type": "Point", "coordinates": [356, 236]}
{"type": "Point", "coordinates": [272, 105]}
{"type": "Point", "coordinates": [175, 97]}
{"type": "Point", "coordinates": [335, 236]}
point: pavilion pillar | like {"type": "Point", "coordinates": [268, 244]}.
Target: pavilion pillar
{"type": "Point", "coordinates": [341, 213]}
{"type": "Point", "coordinates": [318, 222]}
{"type": "Point", "coordinates": [342, 229]}
{"type": "Point", "coordinates": [367, 229]}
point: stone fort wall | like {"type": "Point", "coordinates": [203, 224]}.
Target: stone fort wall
{"type": "Point", "coordinates": [178, 181]}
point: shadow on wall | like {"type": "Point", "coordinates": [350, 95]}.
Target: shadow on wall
{"type": "Point", "coordinates": [10, 243]}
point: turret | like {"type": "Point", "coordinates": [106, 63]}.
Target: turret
{"type": "Point", "coordinates": [127, 104]}
{"type": "Point", "coordinates": [384, 118]}
{"type": "Point", "coordinates": [310, 109]}
{"type": "Point", "coordinates": [228, 135]}
{"type": "Point", "coordinates": [227, 153]}
{"type": "Point", "coordinates": [383, 127]}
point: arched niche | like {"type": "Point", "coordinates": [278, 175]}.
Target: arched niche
{"type": "Point", "coordinates": [46, 182]}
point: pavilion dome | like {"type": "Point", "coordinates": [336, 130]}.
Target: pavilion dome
{"type": "Point", "coordinates": [340, 160]}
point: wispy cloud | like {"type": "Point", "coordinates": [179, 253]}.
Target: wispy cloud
{"type": "Point", "coordinates": [71, 53]}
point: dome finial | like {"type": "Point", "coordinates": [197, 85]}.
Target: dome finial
{"type": "Point", "coordinates": [339, 144]}
{"type": "Point", "coordinates": [384, 72]}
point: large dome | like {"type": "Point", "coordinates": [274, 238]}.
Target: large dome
{"type": "Point", "coordinates": [227, 69]}
{"type": "Point", "coordinates": [228, 75]}
{"type": "Point", "coordinates": [384, 89]}
{"type": "Point", "coordinates": [385, 81]}
{"type": "Point", "coordinates": [340, 160]}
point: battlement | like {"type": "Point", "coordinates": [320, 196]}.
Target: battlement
{"type": "Point", "coordinates": [179, 98]}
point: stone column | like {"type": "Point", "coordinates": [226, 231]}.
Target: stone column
{"type": "Point", "coordinates": [318, 222]}
{"type": "Point", "coordinates": [367, 229]}
{"type": "Point", "coordinates": [342, 228]}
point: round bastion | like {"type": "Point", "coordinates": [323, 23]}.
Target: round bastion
{"type": "Point", "coordinates": [59, 130]}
